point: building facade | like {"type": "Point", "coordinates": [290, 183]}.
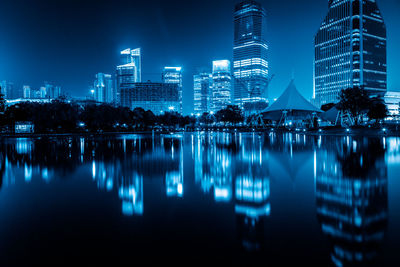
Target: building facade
{"type": "Point", "coordinates": [103, 88]}
{"type": "Point", "coordinates": [221, 85]}
{"type": "Point", "coordinates": [157, 97]}
{"type": "Point", "coordinates": [8, 90]}
{"type": "Point", "coordinates": [250, 63]}
{"type": "Point", "coordinates": [52, 91]}
{"type": "Point", "coordinates": [392, 101]}
{"type": "Point", "coordinates": [27, 92]}
{"type": "Point", "coordinates": [173, 75]}
{"type": "Point", "coordinates": [202, 85]}
{"type": "Point", "coordinates": [350, 50]}
{"type": "Point", "coordinates": [129, 72]}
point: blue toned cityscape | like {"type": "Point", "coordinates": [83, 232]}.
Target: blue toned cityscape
{"type": "Point", "coordinates": [228, 132]}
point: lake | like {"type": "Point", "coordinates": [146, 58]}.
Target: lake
{"type": "Point", "coordinates": [210, 198]}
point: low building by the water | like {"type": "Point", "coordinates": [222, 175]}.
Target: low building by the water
{"type": "Point", "coordinates": [155, 96]}
{"type": "Point", "coordinates": [24, 127]}
{"type": "Point", "coordinates": [392, 101]}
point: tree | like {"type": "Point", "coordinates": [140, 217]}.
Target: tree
{"type": "Point", "coordinates": [231, 113]}
{"type": "Point", "coordinates": [354, 100]}
{"type": "Point", "coordinates": [377, 110]}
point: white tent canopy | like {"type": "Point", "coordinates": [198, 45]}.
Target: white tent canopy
{"type": "Point", "coordinates": [290, 103]}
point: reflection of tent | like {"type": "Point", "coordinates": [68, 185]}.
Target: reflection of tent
{"type": "Point", "coordinates": [290, 103]}
{"type": "Point", "coordinates": [287, 165]}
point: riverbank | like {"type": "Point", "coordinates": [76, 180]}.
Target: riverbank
{"type": "Point", "coordinates": [334, 131]}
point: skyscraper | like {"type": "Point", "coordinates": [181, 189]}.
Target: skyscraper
{"type": "Point", "coordinates": [52, 91]}
{"type": "Point", "coordinates": [7, 89]}
{"type": "Point", "coordinates": [202, 92]}
{"type": "Point", "coordinates": [250, 65]}
{"type": "Point", "coordinates": [42, 92]}
{"type": "Point", "coordinates": [131, 70]}
{"type": "Point", "coordinates": [222, 84]}
{"type": "Point", "coordinates": [174, 75]}
{"type": "Point", "coordinates": [350, 50]}
{"type": "Point", "coordinates": [103, 88]}
{"type": "Point", "coordinates": [26, 91]}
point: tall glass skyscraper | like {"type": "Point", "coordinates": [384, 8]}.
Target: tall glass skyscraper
{"type": "Point", "coordinates": [350, 50]}
{"type": "Point", "coordinates": [250, 64]}
{"type": "Point", "coordinates": [103, 88]}
{"type": "Point", "coordinates": [202, 92]}
{"type": "Point", "coordinates": [222, 84]}
{"type": "Point", "coordinates": [173, 75]}
{"type": "Point", "coordinates": [131, 70]}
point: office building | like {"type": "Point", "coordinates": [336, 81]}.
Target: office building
{"type": "Point", "coordinates": [250, 64]}
{"type": "Point", "coordinates": [350, 50]}
{"type": "Point", "coordinates": [130, 71]}
{"type": "Point", "coordinates": [157, 97]}
{"type": "Point", "coordinates": [202, 85]}
{"type": "Point", "coordinates": [222, 84]}
{"type": "Point", "coordinates": [7, 89]}
{"type": "Point", "coordinates": [103, 88]}
{"type": "Point", "coordinates": [174, 75]}
{"type": "Point", "coordinates": [42, 92]}
{"type": "Point", "coordinates": [52, 91]}
{"type": "Point", "coordinates": [27, 91]}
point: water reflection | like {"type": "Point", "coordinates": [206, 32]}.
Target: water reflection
{"type": "Point", "coordinates": [235, 170]}
{"type": "Point", "coordinates": [351, 189]}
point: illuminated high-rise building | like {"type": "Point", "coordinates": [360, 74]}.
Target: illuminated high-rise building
{"type": "Point", "coordinates": [52, 91]}
{"type": "Point", "coordinates": [42, 92]}
{"type": "Point", "coordinates": [103, 88]}
{"type": "Point", "coordinates": [202, 85]}
{"type": "Point", "coordinates": [222, 84]}
{"type": "Point", "coordinates": [8, 90]}
{"type": "Point", "coordinates": [250, 64]}
{"type": "Point", "coordinates": [174, 75]}
{"type": "Point", "coordinates": [350, 50]}
{"type": "Point", "coordinates": [131, 70]}
{"type": "Point", "coordinates": [26, 89]}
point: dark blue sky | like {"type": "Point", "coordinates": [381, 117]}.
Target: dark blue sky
{"type": "Point", "coordinates": [68, 41]}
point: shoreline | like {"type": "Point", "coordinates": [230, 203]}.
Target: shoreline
{"type": "Point", "coordinates": [367, 132]}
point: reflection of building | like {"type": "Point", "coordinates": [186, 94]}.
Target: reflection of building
{"type": "Point", "coordinates": [213, 169]}
{"type": "Point", "coordinates": [352, 201]}
{"type": "Point", "coordinates": [157, 97]}
{"type": "Point", "coordinates": [174, 179]}
{"type": "Point", "coordinates": [130, 72]}
{"type": "Point", "coordinates": [224, 159]}
{"type": "Point", "coordinates": [250, 65]}
{"type": "Point", "coordinates": [131, 193]}
{"type": "Point", "coordinates": [202, 92]}
{"type": "Point", "coordinates": [103, 88]}
{"type": "Point", "coordinates": [173, 75]}
{"type": "Point", "coordinates": [222, 84]}
{"type": "Point", "coordinates": [350, 50]}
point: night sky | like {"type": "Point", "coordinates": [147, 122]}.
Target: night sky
{"type": "Point", "coordinates": [67, 41]}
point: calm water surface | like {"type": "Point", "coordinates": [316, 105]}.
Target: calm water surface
{"type": "Point", "coordinates": [230, 198]}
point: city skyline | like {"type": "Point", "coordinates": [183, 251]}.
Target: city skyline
{"type": "Point", "coordinates": [77, 56]}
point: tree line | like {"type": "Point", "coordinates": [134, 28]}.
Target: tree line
{"type": "Point", "coordinates": [60, 116]}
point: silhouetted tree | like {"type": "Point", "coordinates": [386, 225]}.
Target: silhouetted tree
{"type": "Point", "coordinates": [377, 110]}
{"type": "Point", "coordinates": [232, 114]}
{"type": "Point", "coordinates": [355, 101]}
